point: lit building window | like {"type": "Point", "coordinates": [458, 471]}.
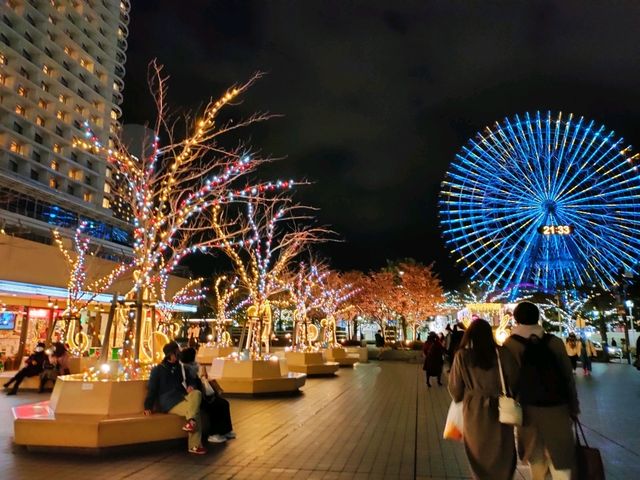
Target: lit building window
{"type": "Point", "coordinates": [3, 59]}
{"type": "Point", "coordinates": [22, 91]}
{"type": "Point", "coordinates": [79, 109]}
{"type": "Point", "coordinates": [105, 203]}
{"type": "Point", "coordinates": [87, 197]}
{"type": "Point", "coordinates": [114, 115]}
{"type": "Point", "coordinates": [68, 50]}
{"type": "Point", "coordinates": [3, 78]}
{"type": "Point", "coordinates": [62, 98]}
{"type": "Point", "coordinates": [54, 165]}
{"type": "Point", "coordinates": [60, 115]}
{"type": "Point", "coordinates": [75, 174]}
{"type": "Point", "coordinates": [107, 188]}
{"type": "Point", "coordinates": [47, 70]}
{"type": "Point", "coordinates": [42, 104]}
{"type": "Point", "coordinates": [40, 121]}
{"type": "Point", "coordinates": [16, 147]}
{"type": "Point", "coordinates": [57, 148]}
{"type": "Point", "coordinates": [44, 86]}
{"type": "Point", "coordinates": [53, 183]}
{"type": "Point", "coordinates": [19, 109]}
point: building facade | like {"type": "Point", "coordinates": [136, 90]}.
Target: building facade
{"type": "Point", "coordinates": [61, 64]}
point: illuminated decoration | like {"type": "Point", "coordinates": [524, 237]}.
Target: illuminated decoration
{"type": "Point", "coordinates": [303, 289]}
{"type": "Point", "coordinates": [540, 170]}
{"type": "Point", "coordinates": [80, 294]}
{"type": "Point", "coordinates": [179, 189]}
{"type": "Point", "coordinates": [334, 294]}
{"type": "Point", "coordinates": [261, 259]}
{"type": "Point", "coordinates": [555, 229]}
{"type": "Point", "coordinates": [179, 192]}
{"type": "Point", "coordinates": [224, 292]}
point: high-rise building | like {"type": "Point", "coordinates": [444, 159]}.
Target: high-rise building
{"type": "Point", "coordinates": [61, 64]}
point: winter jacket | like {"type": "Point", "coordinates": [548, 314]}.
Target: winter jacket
{"type": "Point", "coordinates": [167, 387]}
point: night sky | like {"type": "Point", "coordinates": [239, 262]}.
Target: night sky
{"type": "Point", "coordinates": [378, 96]}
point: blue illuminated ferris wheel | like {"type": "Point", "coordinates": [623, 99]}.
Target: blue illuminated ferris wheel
{"type": "Point", "coordinates": [543, 202]}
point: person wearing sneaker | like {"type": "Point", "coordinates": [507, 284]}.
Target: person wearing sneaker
{"type": "Point", "coordinates": [217, 408]}
{"type": "Point", "coordinates": [173, 392]}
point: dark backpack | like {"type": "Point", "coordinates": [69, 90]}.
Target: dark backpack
{"type": "Point", "coordinates": [541, 381]}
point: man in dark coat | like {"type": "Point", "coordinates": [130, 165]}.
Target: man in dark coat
{"type": "Point", "coordinates": [545, 439]}
{"type": "Point", "coordinates": [33, 366]}
{"type": "Point", "coordinates": [172, 391]}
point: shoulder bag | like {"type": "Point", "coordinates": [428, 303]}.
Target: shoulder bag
{"type": "Point", "coordinates": [509, 410]}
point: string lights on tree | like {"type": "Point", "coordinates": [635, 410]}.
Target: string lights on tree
{"type": "Point", "coordinates": [274, 238]}
{"type": "Point", "coordinates": [180, 188]}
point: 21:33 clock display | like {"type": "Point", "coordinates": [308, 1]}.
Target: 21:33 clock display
{"type": "Point", "coordinates": [555, 229]}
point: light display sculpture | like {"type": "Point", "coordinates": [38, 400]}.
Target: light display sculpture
{"type": "Point", "coordinates": [543, 202]}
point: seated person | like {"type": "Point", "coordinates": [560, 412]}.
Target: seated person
{"type": "Point", "coordinates": [217, 408]}
{"type": "Point", "coordinates": [33, 366]}
{"type": "Point", "coordinates": [173, 392]}
{"type": "Point", "coordinates": [56, 364]}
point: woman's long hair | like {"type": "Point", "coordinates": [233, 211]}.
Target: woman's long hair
{"type": "Point", "coordinates": [478, 338]}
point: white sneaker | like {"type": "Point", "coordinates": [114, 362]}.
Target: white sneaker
{"type": "Point", "coordinates": [230, 435]}
{"type": "Point", "coordinates": [217, 439]}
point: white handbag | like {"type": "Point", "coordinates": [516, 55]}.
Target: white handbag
{"type": "Point", "coordinates": [509, 410]}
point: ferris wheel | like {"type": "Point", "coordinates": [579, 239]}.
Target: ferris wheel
{"type": "Point", "coordinates": [547, 201]}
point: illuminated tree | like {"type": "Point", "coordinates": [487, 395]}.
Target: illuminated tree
{"type": "Point", "coordinates": [420, 294]}
{"type": "Point", "coordinates": [263, 257]}
{"type": "Point", "coordinates": [177, 191]}
{"type": "Point", "coordinates": [81, 292]}
{"type": "Point", "coordinates": [225, 290]}
{"type": "Point", "coordinates": [302, 288]}
{"type": "Point", "coordinates": [334, 294]}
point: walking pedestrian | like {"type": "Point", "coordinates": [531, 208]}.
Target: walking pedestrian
{"type": "Point", "coordinates": [475, 380]}
{"type": "Point", "coordinates": [587, 352]}
{"type": "Point", "coordinates": [573, 350]}
{"type": "Point", "coordinates": [547, 393]}
{"type": "Point", "coordinates": [433, 353]}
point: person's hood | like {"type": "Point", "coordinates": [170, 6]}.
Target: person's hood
{"type": "Point", "coordinates": [526, 331]}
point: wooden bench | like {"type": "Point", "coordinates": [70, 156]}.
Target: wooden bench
{"type": "Point", "coordinates": [29, 383]}
{"type": "Point", "coordinates": [93, 415]}
{"type": "Point", "coordinates": [37, 425]}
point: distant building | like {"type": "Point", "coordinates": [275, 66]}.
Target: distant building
{"type": "Point", "coordinates": [61, 63]}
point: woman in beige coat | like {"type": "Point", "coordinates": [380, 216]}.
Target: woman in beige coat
{"type": "Point", "coordinates": [474, 380]}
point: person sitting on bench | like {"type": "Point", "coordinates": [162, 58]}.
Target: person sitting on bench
{"type": "Point", "coordinates": [173, 392]}
{"type": "Point", "coordinates": [33, 367]}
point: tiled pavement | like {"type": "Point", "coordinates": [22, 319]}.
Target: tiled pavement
{"type": "Point", "coordinates": [375, 421]}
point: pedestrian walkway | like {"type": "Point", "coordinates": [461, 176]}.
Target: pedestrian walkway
{"type": "Point", "coordinates": [376, 421]}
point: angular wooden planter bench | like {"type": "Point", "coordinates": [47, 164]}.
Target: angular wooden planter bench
{"type": "Point", "coordinates": [92, 416]}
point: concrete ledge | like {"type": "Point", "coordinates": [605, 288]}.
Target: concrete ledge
{"type": "Point", "coordinates": [411, 356]}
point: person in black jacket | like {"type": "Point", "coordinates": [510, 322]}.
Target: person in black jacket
{"type": "Point", "coordinates": [173, 392]}
{"type": "Point", "coordinates": [217, 407]}
{"type": "Point", "coordinates": [33, 366]}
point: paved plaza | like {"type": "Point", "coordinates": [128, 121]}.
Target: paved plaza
{"type": "Point", "coordinates": [375, 421]}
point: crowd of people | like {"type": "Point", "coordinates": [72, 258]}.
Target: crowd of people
{"type": "Point", "coordinates": [537, 371]}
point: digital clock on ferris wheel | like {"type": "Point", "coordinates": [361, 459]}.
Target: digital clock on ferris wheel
{"type": "Point", "coordinates": [555, 229]}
